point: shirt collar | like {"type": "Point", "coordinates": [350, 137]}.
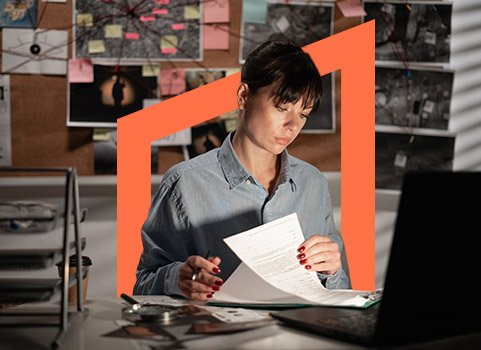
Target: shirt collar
{"type": "Point", "coordinates": [234, 171]}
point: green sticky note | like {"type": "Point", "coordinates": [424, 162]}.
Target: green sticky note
{"type": "Point", "coordinates": [254, 11]}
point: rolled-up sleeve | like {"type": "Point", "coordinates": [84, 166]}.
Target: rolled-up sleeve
{"type": "Point", "coordinates": [164, 249]}
{"type": "Point", "coordinates": [338, 280]}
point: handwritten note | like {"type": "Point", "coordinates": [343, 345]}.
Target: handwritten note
{"type": "Point", "coordinates": [216, 37]}
{"type": "Point", "coordinates": [147, 18]}
{"type": "Point", "coordinates": [85, 20]}
{"type": "Point", "coordinates": [160, 11]}
{"type": "Point", "coordinates": [132, 36]}
{"type": "Point", "coordinates": [113, 31]}
{"type": "Point", "coordinates": [96, 46]}
{"type": "Point", "coordinates": [216, 11]}
{"type": "Point", "coordinates": [177, 26]}
{"type": "Point", "coordinates": [172, 82]}
{"type": "Point", "coordinates": [169, 42]}
{"type": "Point", "coordinates": [150, 70]}
{"type": "Point", "coordinates": [351, 8]}
{"type": "Point", "coordinates": [191, 12]}
{"type": "Point", "coordinates": [80, 70]}
{"type": "Point", "coordinates": [254, 11]}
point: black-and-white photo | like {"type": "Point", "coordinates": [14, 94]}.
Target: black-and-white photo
{"type": "Point", "coordinates": [195, 78]}
{"type": "Point", "coordinates": [105, 157]}
{"type": "Point", "coordinates": [138, 30]}
{"type": "Point", "coordinates": [322, 120]}
{"type": "Point", "coordinates": [206, 137]}
{"type": "Point", "coordinates": [411, 31]}
{"type": "Point", "coordinates": [303, 22]}
{"type": "Point", "coordinates": [414, 98]}
{"type": "Point", "coordinates": [397, 153]}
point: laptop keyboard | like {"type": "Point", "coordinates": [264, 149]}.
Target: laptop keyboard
{"type": "Point", "coordinates": [361, 324]}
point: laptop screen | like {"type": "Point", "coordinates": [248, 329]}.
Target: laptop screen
{"type": "Point", "coordinates": [433, 265]}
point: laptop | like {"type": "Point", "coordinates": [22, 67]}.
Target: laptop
{"type": "Point", "coordinates": [430, 285]}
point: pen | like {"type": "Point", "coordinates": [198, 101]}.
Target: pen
{"type": "Point", "coordinates": [198, 269]}
{"type": "Point", "coordinates": [129, 299]}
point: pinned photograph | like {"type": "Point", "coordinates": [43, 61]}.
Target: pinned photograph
{"type": "Point", "coordinates": [303, 22]}
{"type": "Point", "coordinates": [323, 119]}
{"type": "Point", "coordinates": [206, 137]}
{"type": "Point", "coordinates": [180, 138]}
{"type": "Point", "coordinates": [414, 97]}
{"type": "Point", "coordinates": [398, 152]}
{"type": "Point", "coordinates": [105, 153]}
{"type": "Point", "coordinates": [195, 78]}
{"type": "Point", "coordinates": [115, 92]}
{"type": "Point", "coordinates": [18, 13]}
{"type": "Point", "coordinates": [411, 31]}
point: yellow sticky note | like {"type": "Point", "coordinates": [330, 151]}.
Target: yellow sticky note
{"type": "Point", "coordinates": [191, 12]}
{"type": "Point", "coordinates": [113, 31]}
{"type": "Point", "coordinates": [85, 20]}
{"type": "Point", "coordinates": [230, 71]}
{"type": "Point", "coordinates": [150, 70]}
{"type": "Point", "coordinates": [168, 42]}
{"type": "Point", "coordinates": [96, 46]}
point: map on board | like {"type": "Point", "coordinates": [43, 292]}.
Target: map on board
{"type": "Point", "coordinates": [121, 31]}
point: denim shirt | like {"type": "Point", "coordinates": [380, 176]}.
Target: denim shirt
{"type": "Point", "coordinates": [212, 196]}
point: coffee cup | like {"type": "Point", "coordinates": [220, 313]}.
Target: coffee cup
{"type": "Point", "coordinates": [72, 290]}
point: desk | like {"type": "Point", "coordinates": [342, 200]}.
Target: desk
{"type": "Point", "coordinates": [86, 333]}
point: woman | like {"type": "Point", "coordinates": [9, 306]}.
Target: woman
{"type": "Point", "coordinates": [248, 181]}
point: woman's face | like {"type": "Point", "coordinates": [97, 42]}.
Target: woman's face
{"type": "Point", "coordinates": [269, 126]}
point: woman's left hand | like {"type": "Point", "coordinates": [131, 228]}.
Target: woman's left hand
{"type": "Point", "coordinates": [321, 254]}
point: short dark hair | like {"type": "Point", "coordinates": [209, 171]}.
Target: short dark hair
{"type": "Point", "coordinates": [289, 68]}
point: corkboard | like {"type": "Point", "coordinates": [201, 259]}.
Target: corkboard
{"type": "Point", "coordinates": [40, 137]}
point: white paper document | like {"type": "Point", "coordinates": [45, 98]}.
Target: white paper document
{"type": "Point", "coordinates": [30, 51]}
{"type": "Point", "coordinates": [5, 122]}
{"type": "Point", "coordinates": [270, 272]}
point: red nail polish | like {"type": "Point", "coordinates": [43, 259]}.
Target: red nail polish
{"type": "Point", "coordinates": [209, 295]}
{"type": "Point", "coordinates": [215, 288]}
{"type": "Point", "coordinates": [308, 267]}
{"type": "Point", "coordinates": [303, 261]}
{"type": "Point", "coordinates": [219, 282]}
{"type": "Point", "coordinates": [215, 270]}
{"type": "Point", "coordinates": [301, 256]}
{"type": "Point", "coordinates": [301, 249]}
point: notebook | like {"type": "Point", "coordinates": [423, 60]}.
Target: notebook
{"type": "Point", "coordinates": [429, 289]}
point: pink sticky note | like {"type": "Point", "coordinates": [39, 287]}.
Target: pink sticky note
{"type": "Point", "coordinates": [351, 8]}
{"type": "Point", "coordinates": [147, 18]}
{"type": "Point", "coordinates": [216, 11]}
{"type": "Point", "coordinates": [178, 26]}
{"type": "Point", "coordinates": [216, 37]}
{"type": "Point", "coordinates": [160, 11]}
{"type": "Point", "coordinates": [132, 36]}
{"type": "Point", "coordinates": [169, 51]}
{"type": "Point", "coordinates": [162, 2]}
{"type": "Point", "coordinates": [172, 82]}
{"type": "Point", "coordinates": [80, 70]}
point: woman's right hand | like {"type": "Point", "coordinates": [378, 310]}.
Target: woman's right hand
{"type": "Point", "coordinates": [205, 283]}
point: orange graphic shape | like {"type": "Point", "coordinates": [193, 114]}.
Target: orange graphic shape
{"type": "Point", "coordinates": [351, 52]}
